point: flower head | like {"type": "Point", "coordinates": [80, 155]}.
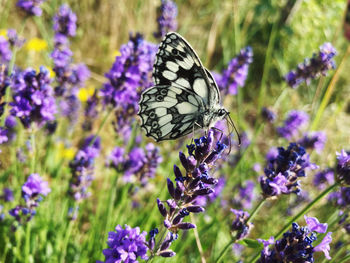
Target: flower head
{"type": "Point", "coordinates": [314, 67]}
{"type": "Point", "coordinates": [5, 51]}
{"type": "Point", "coordinates": [294, 121]}
{"type": "Point", "coordinates": [31, 7]}
{"type": "Point", "coordinates": [296, 245]}
{"type": "Point", "coordinates": [33, 99]}
{"type": "Point", "coordinates": [313, 140]}
{"type": "Point", "coordinates": [167, 13]}
{"type": "Point", "coordinates": [35, 186]}
{"type": "Point", "coordinates": [126, 245]}
{"type": "Point", "coordinates": [33, 191]}
{"type": "Point", "coordinates": [65, 21]}
{"type": "Point", "coordinates": [283, 171]}
{"type": "Point", "coordinates": [268, 115]}
{"type": "Point", "coordinates": [240, 225]}
{"type": "Point", "coordinates": [7, 195]}
{"type": "Point", "coordinates": [236, 73]}
{"type": "Point", "coordinates": [82, 168]}
{"type": "Point", "coordinates": [324, 178]}
{"type": "Point", "coordinates": [343, 167]}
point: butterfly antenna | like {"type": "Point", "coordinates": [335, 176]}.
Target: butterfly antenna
{"type": "Point", "coordinates": [229, 136]}
{"type": "Point", "coordinates": [233, 125]}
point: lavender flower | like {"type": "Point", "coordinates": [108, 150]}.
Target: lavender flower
{"type": "Point", "coordinates": [340, 198]}
{"type": "Point", "coordinates": [245, 195]}
{"type": "Point", "coordinates": [33, 191]}
{"type": "Point", "coordinates": [128, 77]}
{"type": "Point", "coordinates": [282, 172]}
{"type": "Point", "coordinates": [4, 84]}
{"type": "Point", "coordinates": [188, 187]}
{"type": "Point", "coordinates": [240, 225]}
{"type": "Point", "coordinates": [268, 115]}
{"type": "Point", "coordinates": [82, 168]}
{"type": "Point", "coordinates": [324, 178]}
{"type": "Point", "coordinates": [31, 7]}
{"type": "Point", "coordinates": [7, 195]}
{"type": "Point", "coordinates": [343, 167]}
{"type": "Point", "coordinates": [236, 73]}
{"type": "Point", "coordinates": [126, 245]}
{"type": "Point", "coordinates": [294, 121]}
{"type": "Point", "coordinates": [312, 68]}
{"type": "Point", "coordinates": [33, 100]}
{"type": "Point", "coordinates": [3, 135]}
{"type": "Point", "coordinates": [314, 140]}
{"type": "Point", "coordinates": [5, 51]}
{"type": "Point", "coordinates": [207, 199]}
{"type": "Point", "coordinates": [90, 111]}
{"type": "Point", "coordinates": [296, 245]}
{"type": "Point", "coordinates": [69, 77]}
{"type": "Point", "coordinates": [167, 14]}
{"type": "Point", "coordinates": [14, 39]}
{"type": "Point", "coordinates": [140, 164]}
{"type": "Point", "coordinates": [65, 21]}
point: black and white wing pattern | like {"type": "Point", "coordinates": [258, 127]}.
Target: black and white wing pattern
{"type": "Point", "coordinates": [183, 91]}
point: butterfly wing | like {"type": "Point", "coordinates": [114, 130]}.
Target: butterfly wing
{"type": "Point", "coordinates": [177, 63]}
{"type": "Point", "coordinates": [168, 112]}
{"type": "Point", "coordinates": [184, 91]}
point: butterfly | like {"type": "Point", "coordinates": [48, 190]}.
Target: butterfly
{"type": "Point", "coordinates": [185, 96]}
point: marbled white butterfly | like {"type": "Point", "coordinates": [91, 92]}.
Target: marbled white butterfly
{"type": "Point", "coordinates": [185, 96]}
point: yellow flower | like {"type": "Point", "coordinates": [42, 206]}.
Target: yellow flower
{"type": "Point", "coordinates": [85, 93]}
{"type": "Point", "coordinates": [36, 44]}
{"type": "Point", "coordinates": [66, 153]}
{"type": "Point", "coordinates": [116, 53]}
{"type": "Point", "coordinates": [3, 32]}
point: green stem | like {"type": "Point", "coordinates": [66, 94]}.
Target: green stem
{"type": "Point", "coordinates": [233, 240]}
{"type": "Point", "coordinates": [329, 91]}
{"type": "Point", "coordinates": [33, 161]}
{"type": "Point", "coordinates": [267, 63]}
{"type": "Point", "coordinates": [27, 244]}
{"type": "Point", "coordinates": [66, 240]}
{"type": "Point", "coordinates": [345, 259]}
{"type": "Point", "coordinates": [198, 241]}
{"type": "Point", "coordinates": [224, 251]}
{"type": "Point", "coordinates": [101, 126]}
{"type": "Point", "coordinates": [306, 209]}
{"type": "Point", "coordinates": [302, 212]}
{"type": "Point", "coordinates": [256, 210]}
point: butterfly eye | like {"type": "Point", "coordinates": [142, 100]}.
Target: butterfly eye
{"type": "Point", "coordinates": [222, 112]}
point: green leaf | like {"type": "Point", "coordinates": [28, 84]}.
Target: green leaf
{"type": "Point", "coordinates": [251, 243]}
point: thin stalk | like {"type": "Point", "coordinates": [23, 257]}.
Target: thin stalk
{"type": "Point", "coordinates": [256, 210]}
{"type": "Point", "coordinates": [337, 253]}
{"type": "Point", "coordinates": [66, 241]}
{"type": "Point", "coordinates": [329, 91]}
{"type": "Point", "coordinates": [306, 209]}
{"type": "Point", "coordinates": [233, 240]}
{"type": "Point", "coordinates": [224, 251]}
{"type": "Point", "coordinates": [101, 126]}
{"type": "Point", "coordinates": [345, 259]}
{"type": "Point", "coordinates": [27, 242]}
{"type": "Point", "coordinates": [198, 241]}
{"type": "Point", "coordinates": [33, 161]}
{"type": "Point", "coordinates": [267, 63]}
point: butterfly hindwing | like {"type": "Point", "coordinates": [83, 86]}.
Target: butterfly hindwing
{"type": "Point", "coordinates": [168, 112]}
{"type": "Point", "coordinates": [177, 64]}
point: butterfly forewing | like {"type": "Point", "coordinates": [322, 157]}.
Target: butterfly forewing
{"type": "Point", "coordinates": [184, 91]}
